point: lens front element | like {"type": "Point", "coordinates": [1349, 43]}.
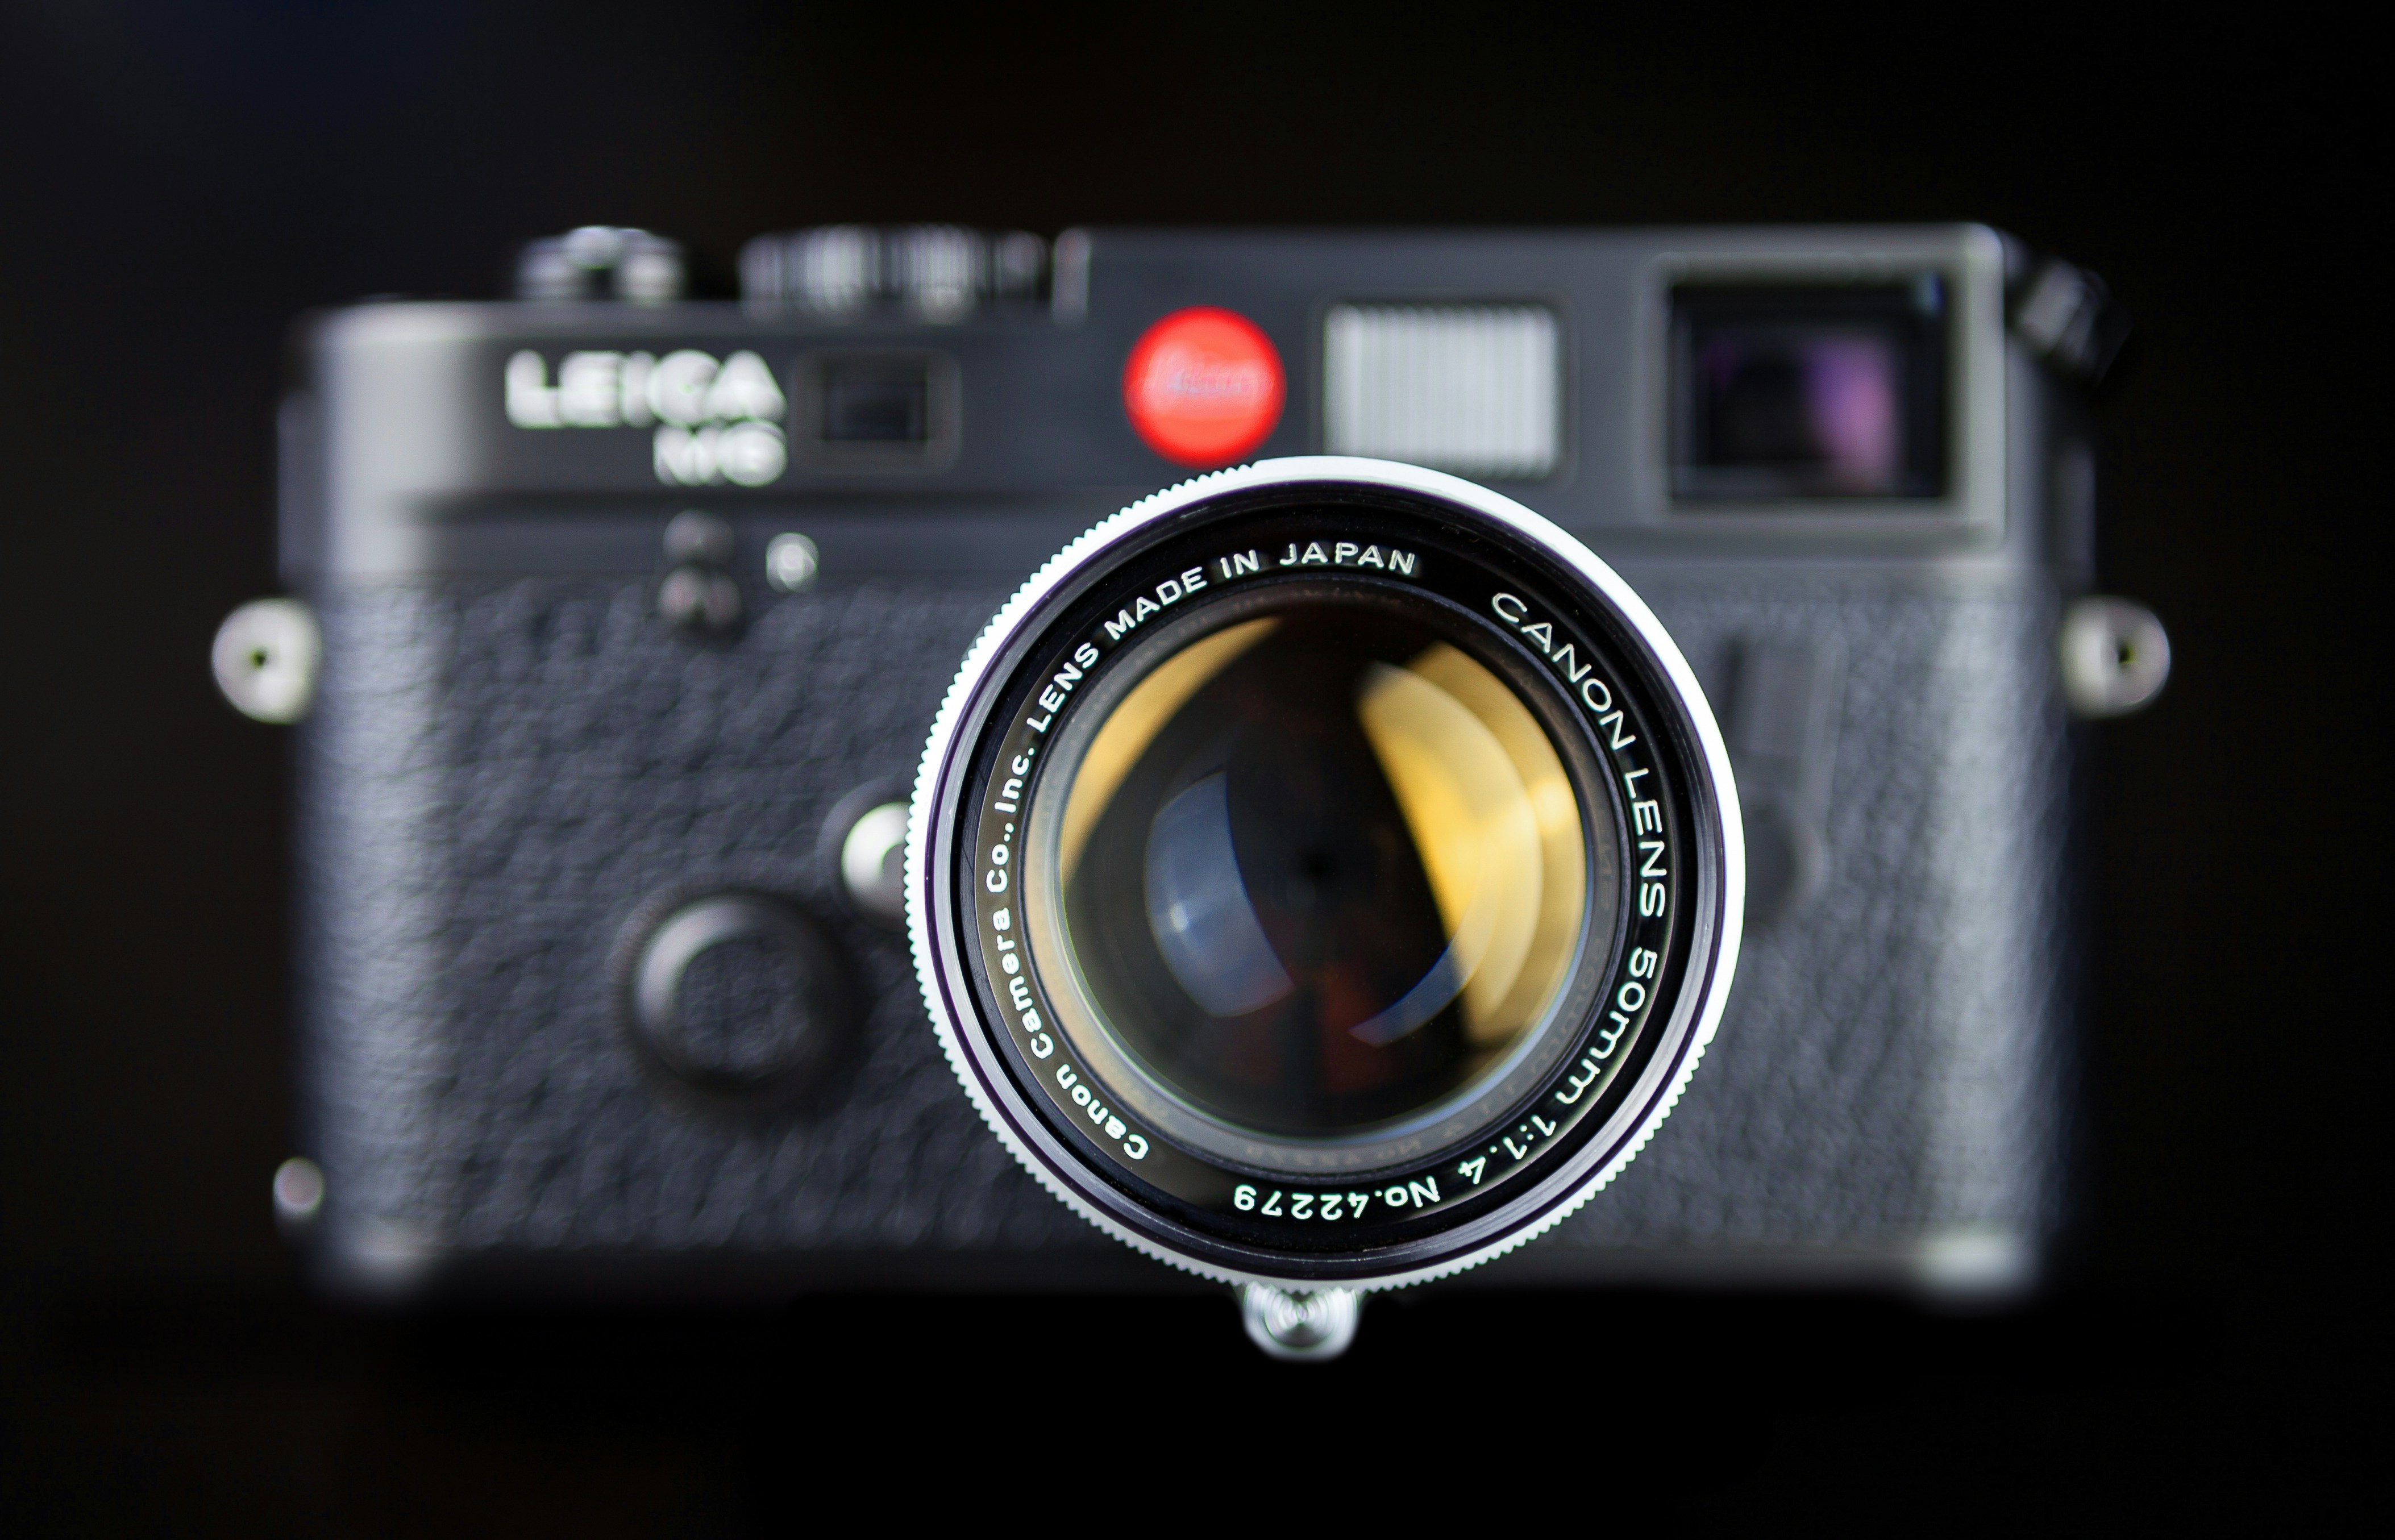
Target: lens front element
{"type": "Point", "coordinates": [1325, 873]}
{"type": "Point", "coordinates": [1315, 871]}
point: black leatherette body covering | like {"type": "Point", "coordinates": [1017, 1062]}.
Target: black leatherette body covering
{"type": "Point", "coordinates": [501, 770]}
{"type": "Point", "coordinates": [1888, 1071]}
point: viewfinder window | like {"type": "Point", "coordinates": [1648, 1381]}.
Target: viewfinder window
{"type": "Point", "coordinates": [875, 405]}
{"type": "Point", "coordinates": [878, 410]}
{"type": "Point", "coordinates": [1808, 391]}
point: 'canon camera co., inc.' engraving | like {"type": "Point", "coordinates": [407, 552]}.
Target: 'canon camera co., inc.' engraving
{"type": "Point", "coordinates": [715, 420]}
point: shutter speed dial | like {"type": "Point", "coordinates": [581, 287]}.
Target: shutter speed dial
{"type": "Point", "coordinates": [940, 272]}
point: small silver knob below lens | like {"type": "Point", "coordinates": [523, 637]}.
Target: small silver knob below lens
{"type": "Point", "coordinates": [265, 659]}
{"type": "Point", "coordinates": [1301, 1328]}
{"type": "Point", "coordinates": [2115, 656]}
{"type": "Point", "coordinates": [872, 863]}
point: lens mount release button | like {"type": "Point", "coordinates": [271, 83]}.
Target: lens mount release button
{"type": "Point", "coordinates": [735, 992]}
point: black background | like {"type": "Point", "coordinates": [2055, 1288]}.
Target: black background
{"type": "Point", "coordinates": [178, 181]}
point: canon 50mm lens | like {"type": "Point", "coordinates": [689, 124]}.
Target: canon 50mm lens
{"type": "Point", "coordinates": [1325, 874]}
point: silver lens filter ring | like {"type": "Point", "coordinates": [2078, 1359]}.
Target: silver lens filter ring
{"type": "Point", "coordinates": [1325, 874]}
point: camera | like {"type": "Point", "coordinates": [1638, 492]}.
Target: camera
{"type": "Point", "coordinates": [1324, 873]}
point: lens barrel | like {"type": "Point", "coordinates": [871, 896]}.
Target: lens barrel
{"type": "Point", "coordinates": [1325, 873]}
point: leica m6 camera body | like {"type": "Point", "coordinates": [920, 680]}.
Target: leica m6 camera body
{"type": "Point", "coordinates": [1324, 873]}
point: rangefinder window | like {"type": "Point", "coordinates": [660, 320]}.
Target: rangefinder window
{"type": "Point", "coordinates": [867, 411]}
{"type": "Point", "coordinates": [1809, 392]}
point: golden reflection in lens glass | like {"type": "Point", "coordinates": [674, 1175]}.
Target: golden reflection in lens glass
{"type": "Point", "coordinates": [1498, 828]}
{"type": "Point", "coordinates": [1143, 714]}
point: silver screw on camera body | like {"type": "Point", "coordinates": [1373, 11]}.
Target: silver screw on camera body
{"type": "Point", "coordinates": [299, 1194]}
{"type": "Point", "coordinates": [1301, 1328]}
{"type": "Point", "coordinates": [2115, 656]}
{"type": "Point", "coordinates": [265, 659]}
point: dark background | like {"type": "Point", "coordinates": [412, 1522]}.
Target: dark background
{"type": "Point", "coordinates": [178, 181]}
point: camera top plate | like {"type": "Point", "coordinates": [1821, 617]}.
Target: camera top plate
{"type": "Point", "coordinates": [560, 436]}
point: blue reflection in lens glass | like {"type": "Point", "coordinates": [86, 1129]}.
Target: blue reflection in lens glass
{"type": "Point", "coordinates": [1197, 906]}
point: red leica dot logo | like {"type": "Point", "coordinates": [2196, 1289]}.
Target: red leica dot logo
{"type": "Point", "coordinates": [1203, 386]}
